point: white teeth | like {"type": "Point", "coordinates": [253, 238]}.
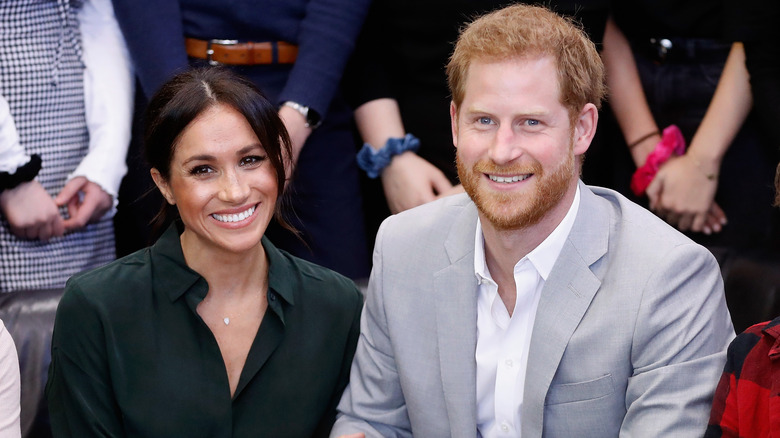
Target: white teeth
{"type": "Point", "coordinates": [234, 217]}
{"type": "Point", "coordinates": [508, 179]}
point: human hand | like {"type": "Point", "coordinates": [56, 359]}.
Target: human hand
{"type": "Point", "coordinates": [683, 195]}
{"type": "Point", "coordinates": [86, 202]}
{"type": "Point", "coordinates": [454, 190]}
{"type": "Point", "coordinates": [354, 435]}
{"type": "Point", "coordinates": [31, 212]}
{"type": "Point", "coordinates": [410, 180]}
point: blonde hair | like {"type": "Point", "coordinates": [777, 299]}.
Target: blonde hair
{"type": "Point", "coordinates": [521, 31]}
{"type": "Point", "coordinates": [777, 186]}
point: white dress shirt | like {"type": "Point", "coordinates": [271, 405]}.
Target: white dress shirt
{"type": "Point", "coordinates": [503, 341]}
{"type": "Point", "coordinates": [108, 95]}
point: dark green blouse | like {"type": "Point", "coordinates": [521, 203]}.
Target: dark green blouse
{"type": "Point", "coordinates": [132, 358]}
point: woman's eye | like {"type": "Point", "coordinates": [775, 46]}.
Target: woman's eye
{"type": "Point", "coordinates": [250, 160]}
{"type": "Point", "coordinates": [200, 170]}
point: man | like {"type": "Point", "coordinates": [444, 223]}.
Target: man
{"type": "Point", "coordinates": [534, 305]}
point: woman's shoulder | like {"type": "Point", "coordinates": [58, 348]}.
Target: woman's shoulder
{"type": "Point", "coordinates": [315, 282]}
{"type": "Point", "coordinates": [113, 280]}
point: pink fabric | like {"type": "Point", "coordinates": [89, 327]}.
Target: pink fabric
{"type": "Point", "coordinates": [672, 142]}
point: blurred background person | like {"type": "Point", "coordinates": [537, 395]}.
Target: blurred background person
{"type": "Point", "coordinates": [681, 63]}
{"type": "Point", "coordinates": [65, 112]}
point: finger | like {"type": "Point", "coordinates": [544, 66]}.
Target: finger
{"type": "Point", "coordinates": [83, 213]}
{"type": "Point", "coordinates": [719, 214]}
{"type": "Point", "coordinates": [653, 192]}
{"type": "Point", "coordinates": [31, 232]}
{"type": "Point", "coordinates": [685, 222]}
{"type": "Point", "coordinates": [70, 190]}
{"type": "Point", "coordinates": [45, 232]}
{"type": "Point", "coordinates": [72, 207]}
{"type": "Point", "coordinates": [701, 223]}
{"type": "Point", "coordinates": [440, 183]}
{"type": "Point", "coordinates": [58, 227]}
{"type": "Point", "coordinates": [714, 224]}
{"type": "Point", "coordinates": [672, 218]}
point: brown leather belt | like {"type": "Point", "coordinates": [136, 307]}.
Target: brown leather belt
{"type": "Point", "coordinates": [245, 53]}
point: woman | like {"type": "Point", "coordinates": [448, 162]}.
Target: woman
{"type": "Point", "coordinates": [212, 331]}
{"type": "Point", "coordinates": [66, 99]}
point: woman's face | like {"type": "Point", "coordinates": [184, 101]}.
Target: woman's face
{"type": "Point", "coordinates": [222, 183]}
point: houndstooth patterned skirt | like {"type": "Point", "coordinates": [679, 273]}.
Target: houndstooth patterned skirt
{"type": "Point", "coordinates": [41, 77]}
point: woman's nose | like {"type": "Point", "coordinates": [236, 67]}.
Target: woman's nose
{"type": "Point", "coordinates": [234, 188]}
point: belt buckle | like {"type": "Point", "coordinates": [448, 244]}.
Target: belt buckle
{"type": "Point", "coordinates": [210, 51]}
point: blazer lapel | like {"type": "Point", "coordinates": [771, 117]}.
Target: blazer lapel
{"type": "Point", "coordinates": [455, 289]}
{"type": "Point", "coordinates": [565, 298]}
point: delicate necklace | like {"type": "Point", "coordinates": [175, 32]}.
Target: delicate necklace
{"type": "Point", "coordinates": [227, 319]}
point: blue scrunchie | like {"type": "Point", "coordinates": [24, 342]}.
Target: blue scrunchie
{"type": "Point", "coordinates": [374, 161]}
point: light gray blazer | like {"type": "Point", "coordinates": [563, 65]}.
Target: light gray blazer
{"type": "Point", "coordinates": [629, 338]}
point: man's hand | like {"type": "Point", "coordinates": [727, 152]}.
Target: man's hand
{"type": "Point", "coordinates": [86, 202]}
{"type": "Point", "coordinates": [410, 181]}
{"type": "Point", "coordinates": [683, 195]}
{"type": "Point", "coordinates": [31, 212]}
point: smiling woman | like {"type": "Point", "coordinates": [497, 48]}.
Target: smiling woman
{"type": "Point", "coordinates": [201, 334]}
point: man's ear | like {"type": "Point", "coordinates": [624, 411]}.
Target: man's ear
{"type": "Point", "coordinates": [585, 128]}
{"type": "Point", "coordinates": [454, 122]}
{"type": "Point", "coordinates": [162, 185]}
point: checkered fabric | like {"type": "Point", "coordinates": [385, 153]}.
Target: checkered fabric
{"type": "Point", "coordinates": [41, 77]}
{"type": "Point", "coordinates": [747, 400]}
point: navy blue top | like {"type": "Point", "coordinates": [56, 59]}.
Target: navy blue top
{"type": "Point", "coordinates": [324, 30]}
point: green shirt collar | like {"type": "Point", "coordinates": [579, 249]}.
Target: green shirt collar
{"type": "Point", "coordinates": [175, 278]}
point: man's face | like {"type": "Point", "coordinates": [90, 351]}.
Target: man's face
{"type": "Point", "coordinates": [515, 145]}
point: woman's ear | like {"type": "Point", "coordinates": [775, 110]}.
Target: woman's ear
{"type": "Point", "coordinates": [162, 185]}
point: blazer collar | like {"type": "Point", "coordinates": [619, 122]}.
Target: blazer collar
{"type": "Point", "coordinates": [565, 298]}
{"type": "Point", "coordinates": [455, 287]}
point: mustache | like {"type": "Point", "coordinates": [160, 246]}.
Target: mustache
{"type": "Point", "coordinates": [489, 167]}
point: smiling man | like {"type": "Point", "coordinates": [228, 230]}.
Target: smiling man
{"type": "Point", "coordinates": [533, 305]}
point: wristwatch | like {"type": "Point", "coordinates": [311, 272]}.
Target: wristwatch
{"type": "Point", "coordinates": [313, 119]}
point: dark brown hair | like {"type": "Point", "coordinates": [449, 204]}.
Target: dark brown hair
{"type": "Point", "coordinates": [189, 94]}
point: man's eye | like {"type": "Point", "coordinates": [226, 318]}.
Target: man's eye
{"type": "Point", "coordinates": [484, 120]}
{"type": "Point", "coordinates": [252, 159]}
{"type": "Point", "coordinates": [532, 122]}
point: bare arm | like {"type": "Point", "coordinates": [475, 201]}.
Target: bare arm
{"type": "Point", "coordinates": [685, 187]}
{"type": "Point", "coordinates": [408, 180]}
{"type": "Point", "coordinates": [626, 95]}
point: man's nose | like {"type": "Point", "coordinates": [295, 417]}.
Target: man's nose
{"type": "Point", "coordinates": [506, 146]}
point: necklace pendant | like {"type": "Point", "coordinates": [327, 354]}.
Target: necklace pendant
{"type": "Point", "coordinates": [226, 320]}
